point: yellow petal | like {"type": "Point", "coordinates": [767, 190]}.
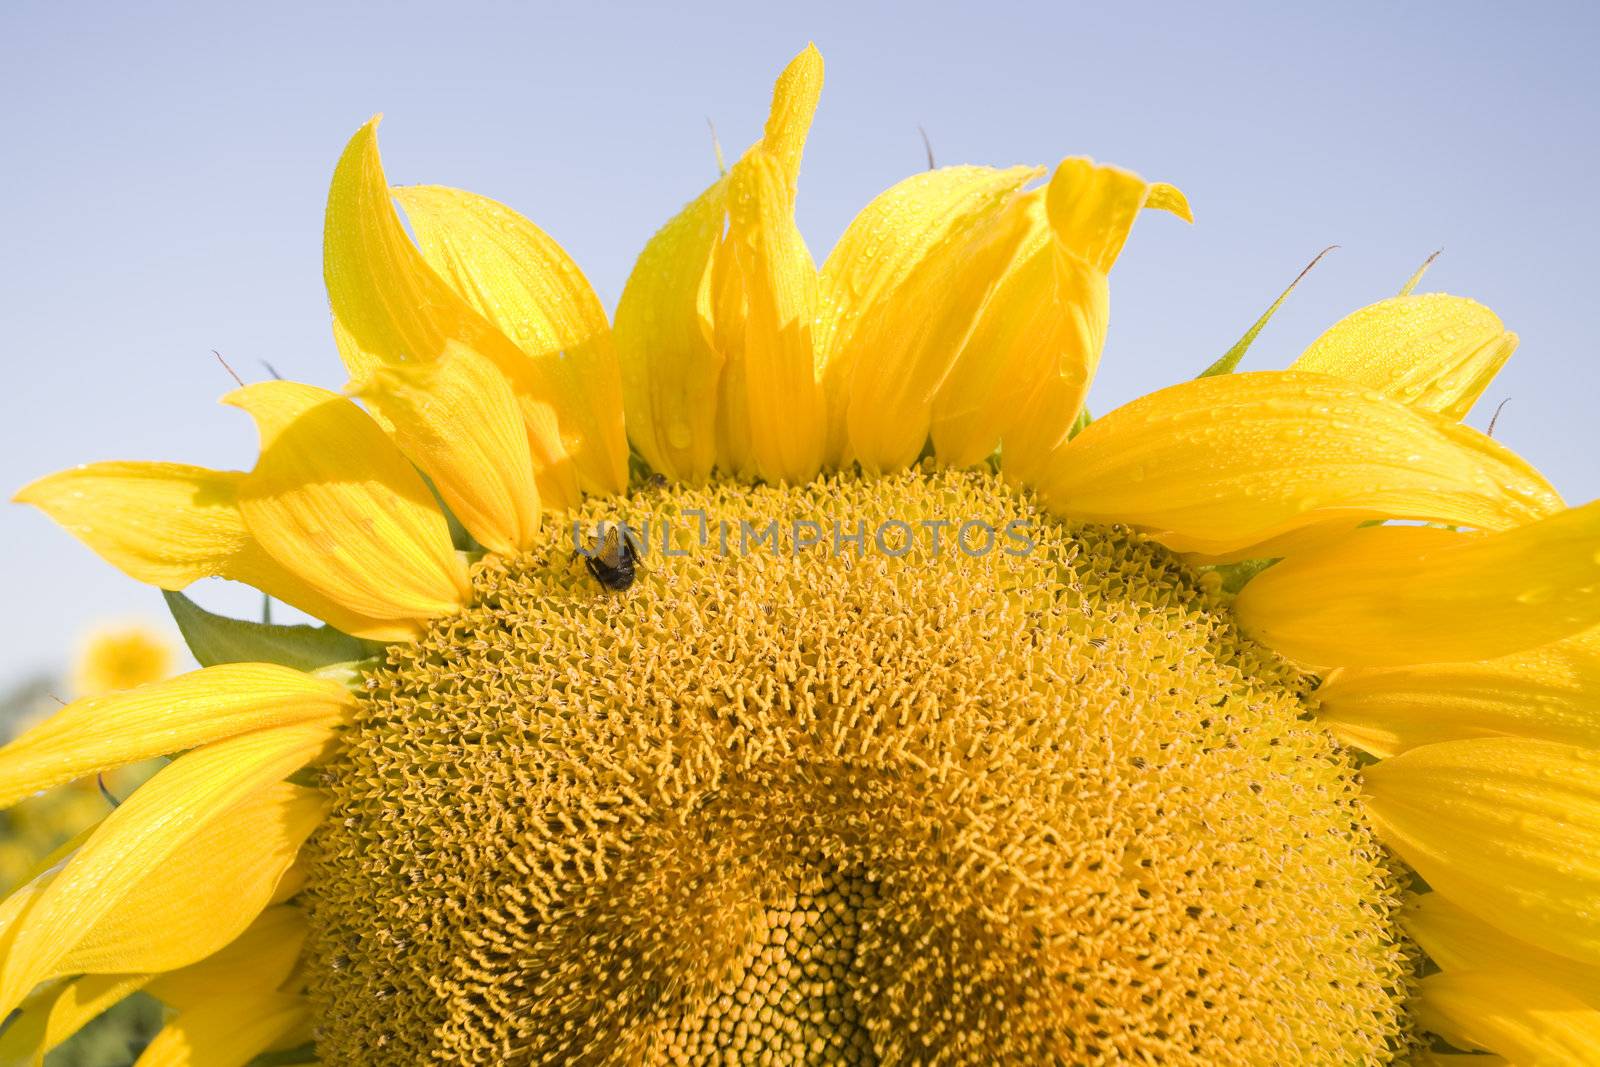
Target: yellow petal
{"type": "Point", "coordinates": [794, 102]}
{"type": "Point", "coordinates": [1433, 352]}
{"type": "Point", "coordinates": [167, 524]}
{"type": "Point", "coordinates": [1302, 539]}
{"type": "Point", "coordinates": [59, 1010]}
{"type": "Point", "coordinates": [1034, 348]}
{"type": "Point", "coordinates": [260, 960]}
{"type": "Point", "coordinates": [457, 419]}
{"type": "Point", "coordinates": [670, 368]}
{"type": "Point", "coordinates": [1457, 941]}
{"type": "Point", "coordinates": [205, 896]}
{"type": "Point", "coordinates": [1507, 828]}
{"type": "Point", "coordinates": [230, 1031]}
{"type": "Point", "coordinates": [14, 911]}
{"type": "Point", "coordinates": [170, 524]}
{"type": "Point", "coordinates": [293, 880]}
{"type": "Point", "coordinates": [335, 502]}
{"type": "Point", "coordinates": [1429, 1058]}
{"type": "Point", "coordinates": [1552, 691]}
{"type": "Point", "coordinates": [200, 898]}
{"type": "Point", "coordinates": [1027, 331]}
{"type": "Point", "coordinates": [665, 323]}
{"type": "Point", "coordinates": [514, 275]}
{"type": "Point", "coordinates": [899, 294]}
{"type": "Point", "coordinates": [1220, 463]}
{"type": "Point", "coordinates": [1162, 196]}
{"type": "Point", "coordinates": [98, 733]}
{"type": "Point", "coordinates": [782, 397]}
{"type": "Point", "coordinates": [254, 566]}
{"type": "Point", "coordinates": [1092, 207]}
{"type": "Point", "coordinates": [1044, 421]}
{"type": "Point", "coordinates": [766, 242]}
{"type": "Point", "coordinates": [1389, 596]}
{"type": "Point", "coordinates": [728, 310]}
{"type": "Point", "coordinates": [173, 874]}
{"type": "Point", "coordinates": [390, 307]}
{"type": "Point", "coordinates": [1513, 1013]}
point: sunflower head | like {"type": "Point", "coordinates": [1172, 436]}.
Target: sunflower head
{"type": "Point", "coordinates": [917, 718]}
{"type": "Point", "coordinates": [917, 800]}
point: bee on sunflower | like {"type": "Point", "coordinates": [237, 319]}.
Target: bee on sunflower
{"type": "Point", "coordinates": [1129, 795]}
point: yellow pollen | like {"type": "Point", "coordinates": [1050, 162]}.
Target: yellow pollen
{"type": "Point", "coordinates": [835, 805]}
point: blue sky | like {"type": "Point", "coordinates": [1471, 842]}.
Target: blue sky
{"type": "Point", "coordinates": [165, 168]}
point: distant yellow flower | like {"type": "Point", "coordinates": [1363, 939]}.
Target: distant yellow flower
{"type": "Point", "coordinates": [113, 657]}
{"type": "Point", "coordinates": [121, 657]}
{"type": "Point", "coordinates": [817, 786]}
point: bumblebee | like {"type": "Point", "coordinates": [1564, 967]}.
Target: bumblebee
{"type": "Point", "coordinates": [613, 556]}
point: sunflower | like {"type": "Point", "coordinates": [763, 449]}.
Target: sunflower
{"type": "Point", "coordinates": [112, 657]}
{"type": "Point", "coordinates": [918, 718]}
{"type": "Point", "coordinates": [122, 656]}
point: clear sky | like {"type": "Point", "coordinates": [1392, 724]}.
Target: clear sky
{"type": "Point", "coordinates": [164, 168]}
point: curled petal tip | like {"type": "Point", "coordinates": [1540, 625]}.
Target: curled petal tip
{"type": "Point", "coordinates": [1166, 197]}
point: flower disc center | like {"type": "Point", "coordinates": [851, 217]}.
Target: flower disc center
{"type": "Point", "coordinates": [801, 796]}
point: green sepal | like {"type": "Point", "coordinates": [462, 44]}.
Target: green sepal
{"type": "Point", "coordinates": [1080, 423]}
{"type": "Point", "coordinates": [215, 639]}
{"type": "Point", "coordinates": [1230, 359]}
{"type": "Point", "coordinates": [1411, 283]}
{"type": "Point", "coordinates": [460, 538]}
{"type": "Point", "coordinates": [1235, 576]}
{"type": "Point", "coordinates": [639, 471]}
{"type": "Point", "coordinates": [300, 1054]}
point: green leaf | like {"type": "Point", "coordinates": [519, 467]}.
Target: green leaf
{"type": "Point", "coordinates": [1230, 359]}
{"type": "Point", "coordinates": [218, 639]}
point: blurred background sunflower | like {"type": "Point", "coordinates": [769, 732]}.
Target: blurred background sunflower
{"type": "Point", "coordinates": [110, 658]}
